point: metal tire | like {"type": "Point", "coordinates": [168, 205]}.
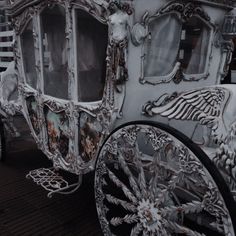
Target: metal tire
{"type": "Point", "coordinates": [151, 179]}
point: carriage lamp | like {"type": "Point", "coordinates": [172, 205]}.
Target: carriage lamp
{"type": "Point", "coordinates": [229, 25]}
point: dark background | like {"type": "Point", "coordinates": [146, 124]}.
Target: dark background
{"type": "Point", "coordinates": [24, 206]}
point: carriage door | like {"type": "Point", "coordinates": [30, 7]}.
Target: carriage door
{"type": "Point", "coordinates": [91, 39]}
{"type": "Point", "coordinates": [58, 140]}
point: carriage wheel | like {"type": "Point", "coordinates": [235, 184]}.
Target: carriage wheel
{"type": "Point", "coordinates": [152, 180]}
{"type": "Point", "coordinates": [2, 143]}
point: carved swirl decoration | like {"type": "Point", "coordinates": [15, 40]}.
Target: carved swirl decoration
{"type": "Point", "coordinates": [55, 105]}
{"type": "Point", "coordinates": [186, 10]}
{"type": "Point", "coordinates": [205, 105]}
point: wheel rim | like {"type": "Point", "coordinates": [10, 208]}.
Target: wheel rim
{"type": "Point", "coordinates": [147, 182]}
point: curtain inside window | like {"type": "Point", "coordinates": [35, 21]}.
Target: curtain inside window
{"type": "Point", "coordinates": [54, 52]}
{"type": "Point", "coordinates": [162, 49]}
{"type": "Point", "coordinates": [92, 37]}
{"type": "Point", "coordinates": [27, 45]}
{"type": "Point", "coordinates": [197, 61]}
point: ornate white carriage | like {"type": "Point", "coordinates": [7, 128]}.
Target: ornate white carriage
{"type": "Point", "coordinates": [132, 89]}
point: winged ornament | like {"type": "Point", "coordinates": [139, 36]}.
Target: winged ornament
{"type": "Point", "coordinates": [214, 107]}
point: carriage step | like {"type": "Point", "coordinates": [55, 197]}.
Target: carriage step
{"type": "Point", "coordinates": [53, 182]}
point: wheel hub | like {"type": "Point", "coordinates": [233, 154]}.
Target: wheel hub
{"type": "Point", "coordinates": [149, 216]}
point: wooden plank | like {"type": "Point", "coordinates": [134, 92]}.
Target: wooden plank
{"type": "Point", "coordinates": [6, 44]}
{"type": "Point", "coordinates": [6, 33]}
{"type": "Point", "coordinates": [4, 64]}
{"type": "Point", "coordinates": [6, 54]}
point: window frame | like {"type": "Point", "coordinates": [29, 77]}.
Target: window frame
{"type": "Point", "coordinates": [40, 36]}
{"type": "Point", "coordinates": [32, 21]}
{"type": "Point", "coordinates": [155, 80]}
{"type": "Point", "coordinates": [95, 104]}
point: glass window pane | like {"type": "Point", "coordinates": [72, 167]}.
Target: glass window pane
{"type": "Point", "coordinates": [27, 45]}
{"type": "Point", "coordinates": [194, 46]}
{"type": "Point", "coordinates": [54, 52]}
{"type": "Point", "coordinates": [92, 38]}
{"type": "Point", "coordinates": [162, 45]}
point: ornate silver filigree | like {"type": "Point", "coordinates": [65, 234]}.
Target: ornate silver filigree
{"type": "Point", "coordinates": [51, 181]}
{"type": "Point", "coordinates": [205, 105]}
{"type": "Point", "coordinates": [110, 108]}
{"type": "Point", "coordinates": [150, 192]}
{"type": "Point", "coordinates": [140, 36]}
{"type": "Point", "coordinates": [187, 10]}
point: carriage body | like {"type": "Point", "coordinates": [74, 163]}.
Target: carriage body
{"type": "Point", "coordinates": [77, 84]}
{"type": "Point", "coordinates": [87, 67]}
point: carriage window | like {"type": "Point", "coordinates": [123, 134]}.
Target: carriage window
{"type": "Point", "coordinates": [194, 46]}
{"type": "Point", "coordinates": [55, 64]}
{"type": "Point", "coordinates": [161, 46]}
{"type": "Point", "coordinates": [171, 41]}
{"type": "Point", "coordinates": [91, 44]}
{"type": "Point", "coordinates": [27, 45]}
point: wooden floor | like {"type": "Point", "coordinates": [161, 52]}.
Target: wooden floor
{"type": "Point", "coordinates": [25, 209]}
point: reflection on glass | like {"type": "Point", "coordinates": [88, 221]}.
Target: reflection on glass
{"type": "Point", "coordinates": [170, 41]}
{"type": "Point", "coordinates": [162, 45]}
{"type": "Point", "coordinates": [27, 45]}
{"type": "Point", "coordinates": [91, 46]}
{"type": "Point", "coordinates": [54, 52]}
{"type": "Point", "coordinates": [194, 46]}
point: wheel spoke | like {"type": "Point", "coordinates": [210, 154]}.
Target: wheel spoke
{"type": "Point", "coordinates": [126, 205]}
{"type": "Point", "coordinates": [141, 175]}
{"type": "Point", "coordinates": [146, 232]}
{"type": "Point", "coordinates": [192, 207]}
{"type": "Point", "coordinates": [121, 185]}
{"type": "Point", "coordinates": [165, 192]}
{"type": "Point", "coordinates": [161, 170]}
{"type": "Point", "coordinates": [218, 226]}
{"type": "Point", "coordinates": [132, 182]}
{"type": "Point", "coordinates": [163, 232]}
{"type": "Point", "coordinates": [136, 230]}
{"type": "Point", "coordinates": [153, 181]}
{"type": "Point", "coordinates": [129, 219]}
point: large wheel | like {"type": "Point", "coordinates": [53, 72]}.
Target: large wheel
{"type": "Point", "coordinates": [152, 180]}
{"type": "Point", "coordinates": [2, 143]}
